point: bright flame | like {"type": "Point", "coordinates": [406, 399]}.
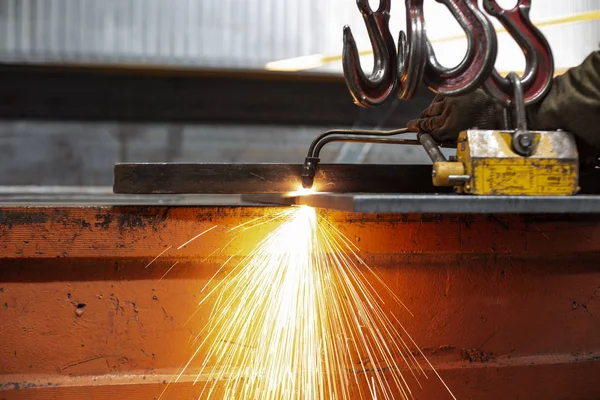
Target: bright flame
{"type": "Point", "coordinates": [297, 319]}
{"type": "Point", "coordinates": [303, 191]}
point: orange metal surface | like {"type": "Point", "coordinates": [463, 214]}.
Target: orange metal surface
{"type": "Point", "coordinates": [505, 306]}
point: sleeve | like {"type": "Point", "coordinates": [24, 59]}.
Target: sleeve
{"type": "Point", "coordinates": [572, 104]}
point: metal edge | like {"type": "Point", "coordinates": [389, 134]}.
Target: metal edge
{"type": "Point", "coordinates": [452, 204]}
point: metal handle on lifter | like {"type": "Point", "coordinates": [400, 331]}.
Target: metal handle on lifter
{"type": "Point", "coordinates": [522, 140]}
{"type": "Point", "coordinates": [431, 147]}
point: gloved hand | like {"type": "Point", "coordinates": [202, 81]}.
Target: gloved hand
{"type": "Point", "coordinates": [446, 117]}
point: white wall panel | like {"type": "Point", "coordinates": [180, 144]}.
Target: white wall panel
{"type": "Point", "coordinates": [243, 33]}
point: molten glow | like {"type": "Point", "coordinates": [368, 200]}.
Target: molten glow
{"type": "Point", "coordinates": [302, 191]}
{"type": "Point", "coordinates": [298, 319]}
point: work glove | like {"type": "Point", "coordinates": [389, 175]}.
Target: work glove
{"type": "Point", "coordinates": [572, 104]}
{"type": "Point", "coordinates": [446, 117]}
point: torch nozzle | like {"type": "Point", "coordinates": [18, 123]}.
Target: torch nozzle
{"type": "Point", "coordinates": [309, 169]}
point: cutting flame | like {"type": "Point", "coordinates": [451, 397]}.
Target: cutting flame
{"type": "Point", "coordinates": [303, 191]}
{"type": "Point", "coordinates": [297, 319]}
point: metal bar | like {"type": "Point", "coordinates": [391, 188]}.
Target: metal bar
{"type": "Point", "coordinates": [172, 178]}
{"type": "Point", "coordinates": [450, 204]}
{"type": "Point", "coordinates": [199, 178]}
{"type": "Point", "coordinates": [129, 201]}
{"type": "Point", "coordinates": [363, 203]}
{"type": "Point", "coordinates": [88, 196]}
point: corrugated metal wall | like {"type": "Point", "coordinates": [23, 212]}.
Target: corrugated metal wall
{"type": "Point", "coordinates": [240, 33]}
{"type": "Point", "coordinates": [228, 33]}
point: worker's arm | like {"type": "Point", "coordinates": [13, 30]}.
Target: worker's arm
{"type": "Point", "coordinates": [572, 104]}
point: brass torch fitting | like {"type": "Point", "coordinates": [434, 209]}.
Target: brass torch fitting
{"type": "Point", "coordinates": [448, 173]}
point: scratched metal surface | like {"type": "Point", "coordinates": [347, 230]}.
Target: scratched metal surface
{"type": "Point", "coordinates": [503, 306]}
{"type": "Point", "coordinates": [103, 196]}
{"type": "Point", "coordinates": [450, 204]}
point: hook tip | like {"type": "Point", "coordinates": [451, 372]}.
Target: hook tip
{"type": "Point", "coordinates": [348, 36]}
{"type": "Point", "coordinates": [349, 49]}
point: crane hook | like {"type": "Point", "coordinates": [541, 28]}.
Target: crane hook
{"type": "Point", "coordinates": [478, 63]}
{"type": "Point", "coordinates": [539, 63]}
{"type": "Point", "coordinates": [412, 50]}
{"type": "Point", "coordinates": [376, 89]}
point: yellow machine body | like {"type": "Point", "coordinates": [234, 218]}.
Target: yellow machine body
{"type": "Point", "coordinates": [489, 165]}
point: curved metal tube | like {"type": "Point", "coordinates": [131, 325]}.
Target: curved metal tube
{"type": "Point", "coordinates": [539, 63]}
{"type": "Point", "coordinates": [377, 88]}
{"type": "Point", "coordinates": [478, 63]}
{"type": "Point", "coordinates": [412, 51]}
{"type": "Point", "coordinates": [355, 132]}
{"type": "Point", "coordinates": [347, 135]}
{"type": "Point", "coordinates": [362, 139]}
{"type": "Point", "coordinates": [311, 161]}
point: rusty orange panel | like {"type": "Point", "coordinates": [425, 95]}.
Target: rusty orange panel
{"type": "Point", "coordinates": [121, 232]}
{"type": "Point", "coordinates": [505, 306]}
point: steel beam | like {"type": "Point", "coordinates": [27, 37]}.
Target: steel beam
{"type": "Point", "coordinates": [172, 178]}
{"type": "Point", "coordinates": [279, 179]}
